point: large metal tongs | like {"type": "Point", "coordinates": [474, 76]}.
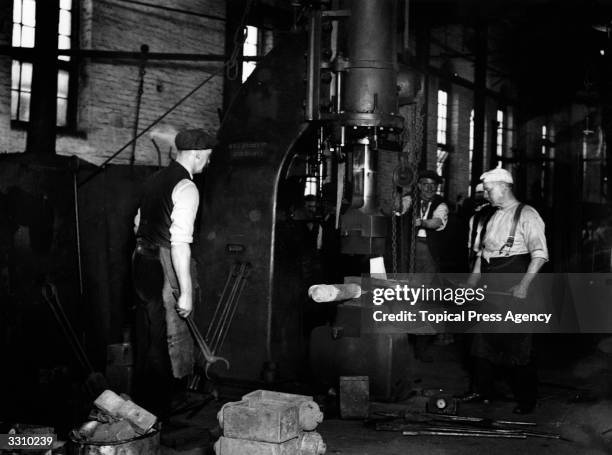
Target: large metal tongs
{"type": "Point", "coordinates": [206, 352]}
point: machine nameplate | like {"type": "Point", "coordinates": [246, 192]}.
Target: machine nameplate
{"type": "Point", "coordinates": [248, 151]}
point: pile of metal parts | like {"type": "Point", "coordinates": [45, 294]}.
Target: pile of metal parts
{"type": "Point", "coordinates": [430, 424]}
{"type": "Point", "coordinates": [115, 419]}
{"type": "Point", "coordinates": [270, 423]}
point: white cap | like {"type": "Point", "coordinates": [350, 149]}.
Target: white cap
{"type": "Point", "coordinates": [479, 187]}
{"type": "Point", "coordinates": [497, 175]}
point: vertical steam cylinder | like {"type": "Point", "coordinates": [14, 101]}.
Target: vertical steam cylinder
{"type": "Point", "coordinates": [369, 95]}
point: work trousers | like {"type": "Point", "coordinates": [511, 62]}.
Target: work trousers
{"type": "Point", "coordinates": [164, 347]}
{"type": "Point", "coordinates": [509, 353]}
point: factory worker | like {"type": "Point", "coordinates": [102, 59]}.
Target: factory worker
{"type": "Point", "coordinates": [514, 248]}
{"type": "Point", "coordinates": [163, 270]}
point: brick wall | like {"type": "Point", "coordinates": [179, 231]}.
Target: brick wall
{"type": "Point", "coordinates": [108, 89]}
{"type": "Point", "coordinates": [6, 26]}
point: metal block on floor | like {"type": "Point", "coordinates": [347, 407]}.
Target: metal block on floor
{"type": "Point", "coordinates": [354, 397]}
{"type": "Point", "coordinates": [265, 422]}
{"type": "Point", "coordinates": [269, 416]}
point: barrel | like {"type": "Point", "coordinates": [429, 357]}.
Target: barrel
{"type": "Point", "coordinates": [147, 444]}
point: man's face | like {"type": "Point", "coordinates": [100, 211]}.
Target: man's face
{"type": "Point", "coordinates": [311, 208]}
{"type": "Point", "coordinates": [427, 188]}
{"type": "Point", "coordinates": [495, 192]}
{"type": "Point", "coordinates": [202, 158]}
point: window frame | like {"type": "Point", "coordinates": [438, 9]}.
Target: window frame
{"type": "Point", "coordinates": [71, 66]}
{"type": "Point", "coordinates": [443, 148]}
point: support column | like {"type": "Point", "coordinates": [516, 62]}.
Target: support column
{"type": "Point", "coordinates": [480, 102]}
{"type": "Point", "coordinates": [43, 105]}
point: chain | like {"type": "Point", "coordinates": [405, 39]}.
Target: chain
{"type": "Point", "coordinates": [142, 73]}
{"type": "Point", "coordinates": [417, 151]}
{"type": "Point", "coordinates": [394, 221]}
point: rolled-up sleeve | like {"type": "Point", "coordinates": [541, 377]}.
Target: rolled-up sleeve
{"type": "Point", "coordinates": [535, 238]}
{"type": "Point", "coordinates": [441, 212]}
{"type": "Point", "coordinates": [185, 198]}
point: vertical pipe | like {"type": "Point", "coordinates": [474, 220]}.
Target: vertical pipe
{"type": "Point", "coordinates": [313, 76]}
{"type": "Point", "coordinates": [406, 31]}
{"type": "Point", "coordinates": [480, 102]}
{"type": "Point", "coordinates": [370, 205]}
{"type": "Point", "coordinates": [339, 92]}
{"type": "Point", "coordinates": [77, 228]}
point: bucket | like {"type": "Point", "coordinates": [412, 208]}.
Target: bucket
{"type": "Point", "coordinates": [147, 444]}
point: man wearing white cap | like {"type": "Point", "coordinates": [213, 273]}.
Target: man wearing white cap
{"type": "Point", "coordinates": [512, 245]}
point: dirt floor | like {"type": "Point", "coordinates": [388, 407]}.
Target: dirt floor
{"type": "Point", "coordinates": [573, 405]}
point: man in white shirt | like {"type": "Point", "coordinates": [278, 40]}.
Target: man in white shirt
{"type": "Point", "coordinates": [512, 252]}
{"type": "Point", "coordinates": [430, 220]}
{"type": "Point", "coordinates": [164, 275]}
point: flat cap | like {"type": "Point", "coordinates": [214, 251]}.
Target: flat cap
{"type": "Point", "coordinates": [195, 139]}
{"type": "Point", "coordinates": [497, 175]}
{"type": "Point", "coordinates": [429, 174]}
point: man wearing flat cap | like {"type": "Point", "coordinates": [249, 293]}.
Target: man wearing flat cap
{"type": "Point", "coordinates": [163, 271]}
{"type": "Point", "coordinates": [513, 247]}
{"type": "Point", "coordinates": [429, 220]}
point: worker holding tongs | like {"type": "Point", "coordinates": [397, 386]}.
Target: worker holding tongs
{"type": "Point", "coordinates": [164, 273]}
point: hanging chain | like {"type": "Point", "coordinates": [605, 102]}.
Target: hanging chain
{"type": "Point", "coordinates": [394, 252]}
{"type": "Point", "coordinates": [417, 151]}
{"type": "Point", "coordinates": [142, 73]}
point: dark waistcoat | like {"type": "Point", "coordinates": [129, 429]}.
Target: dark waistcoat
{"type": "Point", "coordinates": [156, 204]}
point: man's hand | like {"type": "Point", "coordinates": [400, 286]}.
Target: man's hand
{"type": "Point", "coordinates": [520, 290]}
{"type": "Point", "coordinates": [472, 281]}
{"type": "Point", "coordinates": [184, 305]}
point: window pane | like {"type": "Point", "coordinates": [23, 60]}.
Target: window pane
{"type": "Point", "coordinates": [441, 136]}
{"type": "Point", "coordinates": [250, 43]}
{"type": "Point", "coordinates": [62, 109]}
{"type": "Point", "coordinates": [62, 84]}
{"type": "Point", "coordinates": [442, 97]}
{"type": "Point", "coordinates": [16, 35]}
{"type": "Point", "coordinates": [17, 11]}
{"type": "Point", "coordinates": [14, 103]}
{"type": "Point", "coordinates": [27, 37]}
{"type": "Point", "coordinates": [247, 69]}
{"type": "Point", "coordinates": [16, 68]}
{"type": "Point", "coordinates": [64, 22]}
{"type": "Point", "coordinates": [63, 42]}
{"type": "Point", "coordinates": [66, 4]}
{"type": "Point", "coordinates": [24, 107]}
{"type": "Point", "coordinates": [26, 77]}
{"type": "Point", "coordinates": [29, 13]}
